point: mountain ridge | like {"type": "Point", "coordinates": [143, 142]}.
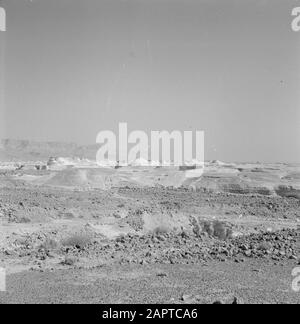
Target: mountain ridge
{"type": "Point", "coordinates": [19, 150]}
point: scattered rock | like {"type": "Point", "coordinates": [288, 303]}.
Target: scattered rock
{"type": "Point", "coordinates": [186, 297]}
{"type": "Point", "coordinates": [161, 274]}
{"type": "Point", "coordinates": [69, 260]}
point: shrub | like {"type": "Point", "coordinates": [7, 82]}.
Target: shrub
{"type": "Point", "coordinates": [217, 229]}
{"type": "Point", "coordinates": [220, 230]}
{"type": "Point", "coordinates": [69, 260]}
{"type": "Point", "coordinates": [161, 230]}
{"type": "Point", "coordinates": [49, 244]}
{"type": "Point", "coordinates": [24, 220]}
{"type": "Point", "coordinates": [78, 240]}
{"type": "Point", "coordinates": [265, 246]}
{"type": "Point", "coordinates": [208, 228]}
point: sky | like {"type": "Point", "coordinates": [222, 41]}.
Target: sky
{"type": "Point", "coordinates": [70, 68]}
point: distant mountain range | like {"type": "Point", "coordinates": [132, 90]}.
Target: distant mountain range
{"type": "Point", "coordinates": [24, 150]}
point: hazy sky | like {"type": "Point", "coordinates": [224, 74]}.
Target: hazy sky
{"type": "Point", "coordinates": [71, 68]}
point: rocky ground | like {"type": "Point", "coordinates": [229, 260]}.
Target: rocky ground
{"type": "Point", "coordinates": [253, 281]}
{"type": "Point", "coordinates": [133, 243]}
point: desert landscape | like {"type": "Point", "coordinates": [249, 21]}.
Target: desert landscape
{"type": "Point", "coordinates": [74, 231]}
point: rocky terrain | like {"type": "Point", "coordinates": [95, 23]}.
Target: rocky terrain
{"type": "Point", "coordinates": [232, 233]}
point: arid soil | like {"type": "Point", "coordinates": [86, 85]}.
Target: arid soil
{"type": "Point", "coordinates": [99, 235]}
{"type": "Point", "coordinates": [253, 281]}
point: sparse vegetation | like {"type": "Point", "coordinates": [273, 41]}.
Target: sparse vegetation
{"type": "Point", "coordinates": [221, 231]}
{"type": "Point", "coordinates": [49, 244]}
{"type": "Point", "coordinates": [69, 260]}
{"type": "Point", "coordinates": [24, 220]}
{"type": "Point", "coordinates": [78, 240]}
{"type": "Point", "coordinates": [161, 230]}
{"type": "Point", "coordinates": [264, 246]}
{"type": "Point", "coordinates": [217, 229]}
{"type": "Point", "coordinates": [208, 228]}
